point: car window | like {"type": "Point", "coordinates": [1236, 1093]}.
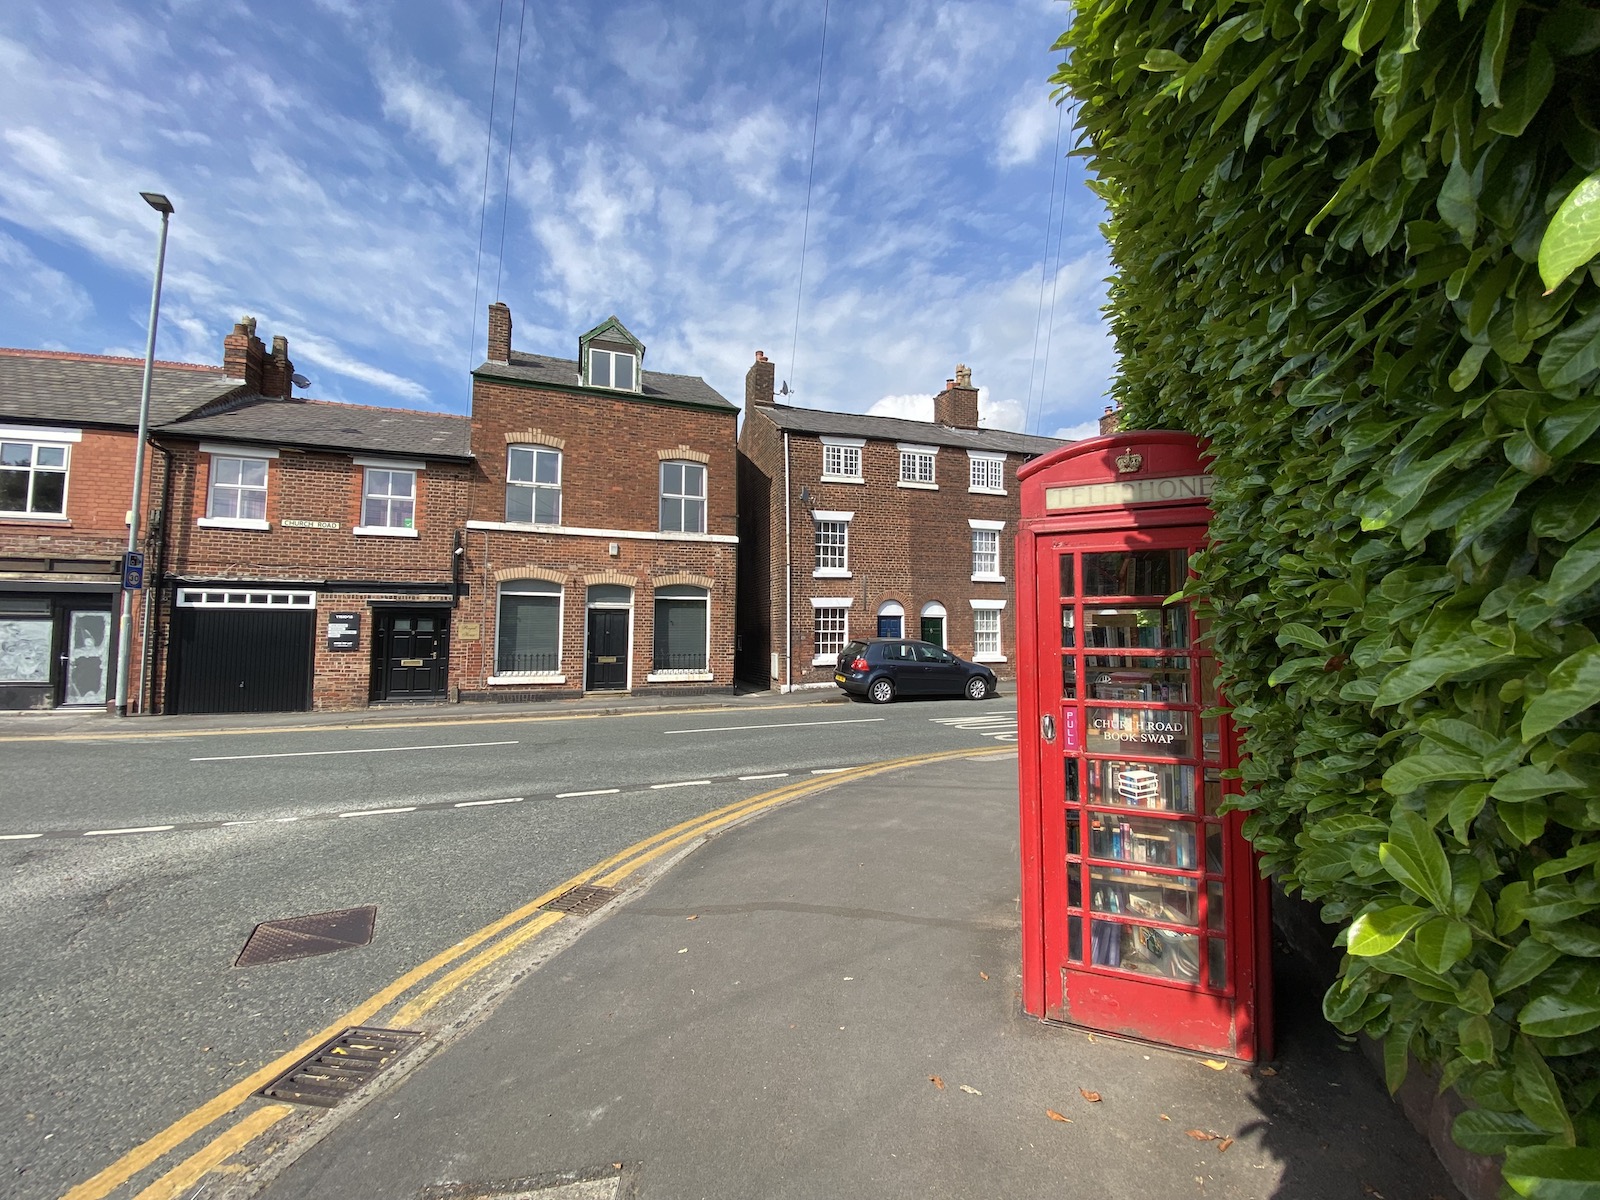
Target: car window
{"type": "Point", "coordinates": [897, 652]}
{"type": "Point", "coordinates": [927, 653]}
{"type": "Point", "coordinates": [853, 650]}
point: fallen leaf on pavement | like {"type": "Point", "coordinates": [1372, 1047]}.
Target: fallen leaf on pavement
{"type": "Point", "coordinates": [1055, 1116]}
{"type": "Point", "coordinates": [1200, 1135]}
{"type": "Point", "coordinates": [1216, 1064]}
{"type": "Point", "coordinates": [695, 917]}
{"type": "Point", "coordinates": [618, 1166]}
{"type": "Point", "coordinates": [1224, 1144]}
{"type": "Point", "coordinates": [983, 975]}
{"type": "Point", "coordinates": [1091, 1097]}
{"type": "Point", "coordinates": [936, 1081]}
{"type": "Point", "coordinates": [1266, 1071]}
{"type": "Point", "coordinates": [685, 950]}
{"type": "Point", "coordinates": [971, 1091]}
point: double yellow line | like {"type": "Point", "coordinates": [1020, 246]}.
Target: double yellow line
{"type": "Point", "coordinates": [465, 960]}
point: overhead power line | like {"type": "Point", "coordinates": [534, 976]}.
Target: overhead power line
{"type": "Point", "coordinates": [811, 174]}
{"type": "Point", "coordinates": [483, 204]}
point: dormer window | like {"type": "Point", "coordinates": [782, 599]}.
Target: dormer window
{"type": "Point", "coordinates": [611, 369]}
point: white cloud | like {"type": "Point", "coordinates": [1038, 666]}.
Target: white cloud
{"type": "Point", "coordinates": [35, 292]}
{"type": "Point", "coordinates": [907, 408]}
{"type": "Point", "coordinates": [1029, 127]}
{"type": "Point", "coordinates": [1076, 433]}
{"type": "Point", "coordinates": [330, 356]}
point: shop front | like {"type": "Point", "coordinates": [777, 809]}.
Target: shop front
{"type": "Point", "coordinates": [57, 641]}
{"type": "Point", "coordinates": [1143, 912]}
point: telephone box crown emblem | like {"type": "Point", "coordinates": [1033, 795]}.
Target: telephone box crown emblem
{"type": "Point", "coordinates": [1128, 462]}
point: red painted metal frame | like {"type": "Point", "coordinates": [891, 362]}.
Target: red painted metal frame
{"type": "Point", "coordinates": [1238, 1022]}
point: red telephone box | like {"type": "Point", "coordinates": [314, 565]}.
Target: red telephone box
{"type": "Point", "coordinates": [1143, 913]}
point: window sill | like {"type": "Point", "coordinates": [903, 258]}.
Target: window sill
{"type": "Point", "coordinates": [986, 578]}
{"type": "Point", "coordinates": [842, 479]}
{"type": "Point", "coordinates": [383, 531]}
{"type": "Point", "coordinates": [232, 523]}
{"type": "Point", "coordinates": [982, 491]}
{"type": "Point", "coordinates": [825, 660]}
{"type": "Point", "coordinates": [921, 487]}
{"type": "Point", "coordinates": [35, 519]}
{"type": "Point", "coordinates": [831, 573]}
{"type": "Point", "coordinates": [525, 679]}
{"type": "Point", "coordinates": [678, 677]}
{"type": "Point", "coordinates": [989, 658]}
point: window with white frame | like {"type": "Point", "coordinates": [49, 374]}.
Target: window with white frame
{"type": "Point", "coordinates": [986, 631]}
{"type": "Point", "coordinates": [683, 497]}
{"type": "Point", "coordinates": [841, 460]}
{"type": "Point", "coordinates": [238, 490]}
{"type": "Point", "coordinates": [33, 478]}
{"type": "Point", "coordinates": [389, 499]}
{"type": "Point", "coordinates": [533, 485]}
{"type": "Point", "coordinates": [832, 545]}
{"type": "Point", "coordinates": [830, 629]}
{"type": "Point", "coordinates": [682, 622]}
{"type": "Point", "coordinates": [528, 634]}
{"type": "Point", "coordinates": [986, 550]}
{"type": "Point", "coordinates": [916, 465]}
{"type": "Point", "coordinates": [611, 369]}
{"type": "Point", "coordinates": [988, 473]}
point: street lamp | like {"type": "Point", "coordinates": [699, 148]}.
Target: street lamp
{"type": "Point", "coordinates": [125, 633]}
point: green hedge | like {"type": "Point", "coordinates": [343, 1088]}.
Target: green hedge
{"type": "Point", "coordinates": [1326, 222]}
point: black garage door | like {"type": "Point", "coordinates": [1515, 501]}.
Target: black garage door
{"type": "Point", "coordinates": [233, 660]}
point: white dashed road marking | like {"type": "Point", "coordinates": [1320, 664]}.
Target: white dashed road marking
{"type": "Point", "coordinates": [596, 792]}
{"type": "Point", "coordinates": [481, 803]}
{"type": "Point", "coordinates": [369, 750]}
{"type": "Point", "coordinates": [378, 812]}
{"type": "Point", "coordinates": [784, 725]}
{"type": "Point", "coordinates": [139, 829]}
{"type": "Point", "coordinates": [1001, 726]}
{"type": "Point", "coordinates": [774, 775]}
{"type": "Point", "coordinates": [656, 787]}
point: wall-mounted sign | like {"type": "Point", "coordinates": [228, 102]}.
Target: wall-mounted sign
{"type": "Point", "coordinates": [468, 631]}
{"type": "Point", "coordinates": [292, 523]}
{"type": "Point", "coordinates": [133, 570]}
{"type": "Point", "coordinates": [344, 630]}
{"type": "Point", "coordinates": [1133, 491]}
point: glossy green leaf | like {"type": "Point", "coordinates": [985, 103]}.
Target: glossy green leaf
{"type": "Point", "coordinates": [1571, 937]}
{"type": "Point", "coordinates": [1483, 1131]}
{"type": "Point", "coordinates": [1164, 60]}
{"type": "Point", "coordinates": [1527, 961]}
{"type": "Point", "coordinates": [1414, 857]}
{"type": "Point", "coordinates": [1537, 1093]}
{"type": "Point", "coordinates": [1572, 238]}
{"type": "Point", "coordinates": [1442, 943]}
{"type": "Point", "coordinates": [1553, 1172]}
{"type": "Point", "coordinates": [1572, 353]}
{"type": "Point", "coordinates": [1380, 932]}
{"type": "Point", "coordinates": [1574, 686]}
{"type": "Point", "coordinates": [1552, 1015]}
{"type": "Point", "coordinates": [1492, 58]}
{"type": "Point", "coordinates": [1576, 573]}
{"type": "Point", "coordinates": [1475, 1038]}
{"type": "Point", "coordinates": [1407, 775]}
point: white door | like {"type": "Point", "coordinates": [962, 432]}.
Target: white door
{"type": "Point", "coordinates": [88, 646]}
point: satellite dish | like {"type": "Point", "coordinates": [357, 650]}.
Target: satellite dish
{"type": "Point", "coordinates": [299, 380]}
{"type": "Point", "coordinates": [784, 390]}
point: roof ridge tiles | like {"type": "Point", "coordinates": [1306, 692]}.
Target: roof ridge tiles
{"type": "Point", "coordinates": [118, 359]}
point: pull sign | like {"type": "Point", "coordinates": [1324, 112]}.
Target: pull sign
{"type": "Point", "coordinates": [1069, 720]}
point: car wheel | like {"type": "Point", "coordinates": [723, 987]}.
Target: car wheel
{"type": "Point", "coordinates": [881, 691]}
{"type": "Point", "coordinates": [977, 688]}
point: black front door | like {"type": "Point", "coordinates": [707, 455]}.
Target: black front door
{"type": "Point", "coordinates": [412, 652]}
{"type": "Point", "coordinates": [607, 666]}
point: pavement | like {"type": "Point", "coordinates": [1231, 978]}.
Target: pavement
{"type": "Point", "coordinates": [825, 1002]}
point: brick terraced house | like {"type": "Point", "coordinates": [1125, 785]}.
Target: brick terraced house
{"type": "Point", "coordinates": [310, 551]}
{"type": "Point", "coordinates": [601, 543]}
{"type": "Point", "coordinates": [68, 428]}
{"type": "Point", "coordinates": [859, 526]}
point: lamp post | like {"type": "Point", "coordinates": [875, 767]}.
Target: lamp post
{"type": "Point", "coordinates": [125, 632]}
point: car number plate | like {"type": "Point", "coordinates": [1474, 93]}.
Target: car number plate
{"type": "Point", "coordinates": [838, 678]}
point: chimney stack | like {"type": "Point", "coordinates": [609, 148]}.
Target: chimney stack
{"type": "Point", "coordinates": [277, 376]}
{"type": "Point", "coordinates": [499, 332]}
{"type": "Point", "coordinates": [1110, 420]}
{"type": "Point", "coordinates": [758, 381]}
{"type": "Point", "coordinates": [957, 405]}
{"type": "Point", "coordinates": [243, 355]}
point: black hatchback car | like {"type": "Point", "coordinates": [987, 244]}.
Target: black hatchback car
{"type": "Point", "coordinates": [882, 668]}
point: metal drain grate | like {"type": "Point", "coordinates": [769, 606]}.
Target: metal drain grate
{"type": "Point", "coordinates": [303, 937]}
{"type": "Point", "coordinates": [340, 1066]}
{"type": "Point", "coordinates": [581, 900]}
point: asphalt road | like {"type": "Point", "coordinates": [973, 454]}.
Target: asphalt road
{"type": "Point", "coordinates": [123, 1009]}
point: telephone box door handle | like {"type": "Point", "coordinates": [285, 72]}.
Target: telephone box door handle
{"type": "Point", "coordinates": [1047, 727]}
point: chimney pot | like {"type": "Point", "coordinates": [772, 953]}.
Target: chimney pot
{"type": "Point", "coordinates": [499, 348]}
{"type": "Point", "coordinates": [957, 406]}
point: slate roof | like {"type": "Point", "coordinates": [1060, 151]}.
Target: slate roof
{"type": "Point", "coordinates": [326, 425]}
{"type": "Point", "coordinates": [654, 385]}
{"type": "Point", "coordinates": [96, 389]}
{"type": "Point", "coordinates": [897, 429]}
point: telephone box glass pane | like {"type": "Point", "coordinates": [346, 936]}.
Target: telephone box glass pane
{"type": "Point", "coordinates": [1174, 899]}
{"type": "Point", "coordinates": [1146, 950]}
{"type": "Point", "coordinates": [1149, 680]}
{"type": "Point", "coordinates": [1134, 573]}
{"type": "Point", "coordinates": [1074, 886]}
{"type": "Point", "coordinates": [1214, 905]}
{"type": "Point", "coordinates": [1130, 628]}
{"type": "Point", "coordinates": [1072, 780]}
{"type": "Point", "coordinates": [1217, 964]}
{"type": "Point", "coordinates": [1164, 786]}
{"type": "Point", "coordinates": [1075, 939]}
{"type": "Point", "coordinates": [1213, 791]}
{"type": "Point", "coordinates": [1208, 682]}
{"type": "Point", "coordinates": [1074, 833]}
{"type": "Point", "coordinates": [1211, 737]}
{"type": "Point", "coordinates": [1166, 732]}
{"type": "Point", "coordinates": [1214, 849]}
{"type": "Point", "coordinates": [1067, 588]}
{"type": "Point", "coordinates": [1069, 677]}
{"type": "Point", "coordinates": [1142, 840]}
{"type": "Point", "coordinates": [1069, 631]}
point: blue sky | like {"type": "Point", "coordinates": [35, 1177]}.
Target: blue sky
{"type": "Point", "coordinates": [327, 162]}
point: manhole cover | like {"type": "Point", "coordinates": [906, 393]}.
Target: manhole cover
{"type": "Point", "coordinates": [338, 1067]}
{"type": "Point", "coordinates": [303, 937]}
{"type": "Point", "coordinates": [581, 900]}
{"type": "Point", "coordinates": [613, 1181]}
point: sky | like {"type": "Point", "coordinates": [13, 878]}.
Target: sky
{"type": "Point", "coordinates": [357, 177]}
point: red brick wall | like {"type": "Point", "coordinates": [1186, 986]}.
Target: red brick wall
{"type": "Point", "coordinates": [906, 544]}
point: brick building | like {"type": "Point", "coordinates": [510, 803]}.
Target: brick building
{"type": "Point", "coordinates": [309, 557]}
{"type": "Point", "coordinates": [68, 431]}
{"type": "Point", "coordinates": [855, 526]}
{"type": "Point", "coordinates": [601, 541]}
